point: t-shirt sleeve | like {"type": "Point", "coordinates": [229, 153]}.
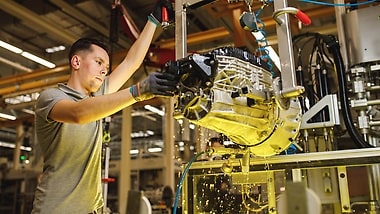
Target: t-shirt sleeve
{"type": "Point", "coordinates": [47, 100]}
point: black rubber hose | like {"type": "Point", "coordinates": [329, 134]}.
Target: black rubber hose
{"type": "Point", "coordinates": [334, 49]}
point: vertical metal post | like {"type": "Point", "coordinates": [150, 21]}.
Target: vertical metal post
{"type": "Point", "coordinates": [285, 49]}
{"type": "Point", "coordinates": [343, 189]}
{"type": "Point", "coordinates": [168, 130]}
{"type": "Point", "coordinates": [374, 185]}
{"type": "Point", "coordinates": [125, 160]}
{"type": "Point", "coordinates": [180, 30]}
{"type": "Point", "coordinates": [18, 143]}
{"type": "Point", "coordinates": [339, 11]}
{"type": "Point", "coordinates": [272, 207]}
{"type": "Point", "coordinates": [107, 154]}
{"type": "Point", "coordinates": [185, 190]}
{"type": "Point", "coordinates": [180, 52]}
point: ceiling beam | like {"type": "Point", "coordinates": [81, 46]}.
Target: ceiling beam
{"type": "Point", "coordinates": [37, 74]}
{"type": "Point", "coordinates": [28, 16]}
{"type": "Point", "coordinates": [41, 83]}
{"type": "Point", "coordinates": [81, 17]}
{"type": "Point", "coordinates": [196, 38]}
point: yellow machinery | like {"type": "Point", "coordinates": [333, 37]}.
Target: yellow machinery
{"type": "Point", "coordinates": [288, 123]}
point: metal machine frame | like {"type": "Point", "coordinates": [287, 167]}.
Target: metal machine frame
{"type": "Point", "coordinates": [247, 169]}
{"type": "Point", "coordinates": [262, 171]}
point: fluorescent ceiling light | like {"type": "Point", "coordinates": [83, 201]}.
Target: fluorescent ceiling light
{"type": "Point", "coordinates": [38, 59]}
{"type": "Point", "coordinates": [133, 151]}
{"type": "Point", "coordinates": [28, 111]}
{"type": "Point", "coordinates": [150, 132]}
{"type": "Point", "coordinates": [155, 149]}
{"type": "Point", "coordinates": [12, 146]}
{"type": "Point", "coordinates": [55, 49]}
{"type": "Point", "coordinates": [7, 116]}
{"type": "Point", "coordinates": [27, 55]}
{"type": "Point", "coordinates": [154, 110]}
{"type": "Point", "coordinates": [10, 47]}
{"type": "Point", "coordinates": [142, 134]}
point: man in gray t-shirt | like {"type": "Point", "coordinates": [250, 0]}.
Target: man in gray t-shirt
{"type": "Point", "coordinates": [68, 120]}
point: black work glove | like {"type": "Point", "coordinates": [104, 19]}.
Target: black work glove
{"type": "Point", "coordinates": [158, 17]}
{"type": "Point", "coordinates": [156, 84]}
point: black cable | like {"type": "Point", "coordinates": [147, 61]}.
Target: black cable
{"type": "Point", "coordinates": [114, 31]}
{"type": "Point", "coordinates": [334, 49]}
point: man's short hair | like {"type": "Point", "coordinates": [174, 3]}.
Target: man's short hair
{"type": "Point", "coordinates": [84, 44]}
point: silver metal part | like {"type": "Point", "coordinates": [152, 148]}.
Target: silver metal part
{"type": "Point", "coordinates": [285, 48]}
{"type": "Point", "coordinates": [333, 110]}
{"type": "Point", "coordinates": [362, 46]}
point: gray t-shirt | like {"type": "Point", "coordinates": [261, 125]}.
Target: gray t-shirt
{"type": "Point", "coordinates": [71, 180]}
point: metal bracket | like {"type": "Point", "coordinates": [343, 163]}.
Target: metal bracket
{"type": "Point", "coordinates": [331, 101]}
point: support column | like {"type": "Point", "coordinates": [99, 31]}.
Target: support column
{"type": "Point", "coordinates": [18, 143]}
{"type": "Point", "coordinates": [125, 160]}
{"type": "Point", "coordinates": [168, 135]}
{"type": "Point", "coordinates": [343, 189]}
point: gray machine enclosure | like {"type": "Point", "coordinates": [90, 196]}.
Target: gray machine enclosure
{"type": "Point", "coordinates": [361, 45]}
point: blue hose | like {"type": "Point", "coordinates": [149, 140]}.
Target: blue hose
{"type": "Point", "coordinates": [338, 5]}
{"type": "Point", "coordinates": [178, 192]}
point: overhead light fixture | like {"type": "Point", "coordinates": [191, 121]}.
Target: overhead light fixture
{"type": "Point", "coordinates": [139, 134]}
{"type": "Point", "coordinates": [10, 47]}
{"type": "Point", "coordinates": [7, 116]}
{"type": "Point", "coordinates": [26, 54]}
{"type": "Point", "coordinates": [155, 149]}
{"type": "Point", "coordinates": [55, 49]}
{"type": "Point", "coordinates": [154, 110]}
{"type": "Point", "coordinates": [28, 111]}
{"type": "Point", "coordinates": [12, 146]}
{"type": "Point", "coordinates": [38, 59]}
{"type": "Point", "coordinates": [133, 151]}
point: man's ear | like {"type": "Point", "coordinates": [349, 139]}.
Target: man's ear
{"type": "Point", "coordinates": [75, 62]}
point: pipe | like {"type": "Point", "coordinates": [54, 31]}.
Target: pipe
{"type": "Point", "coordinates": [35, 84]}
{"type": "Point", "coordinates": [15, 65]}
{"type": "Point", "coordinates": [33, 75]}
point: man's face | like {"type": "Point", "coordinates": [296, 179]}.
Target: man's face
{"type": "Point", "coordinates": [94, 66]}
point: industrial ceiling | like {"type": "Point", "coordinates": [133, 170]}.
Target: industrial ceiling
{"type": "Point", "coordinates": [35, 25]}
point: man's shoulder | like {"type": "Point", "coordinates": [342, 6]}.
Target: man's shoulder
{"type": "Point", "coordinates": [51, 92]}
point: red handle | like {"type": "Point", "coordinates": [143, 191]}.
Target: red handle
{"type": "Point", "coordinates": [303, 17]}
{"type": "Point", "coordinates": [108, 180]}
{"type": "Point", "coordinates": [164, 14]}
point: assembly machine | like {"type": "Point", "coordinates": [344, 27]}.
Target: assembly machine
{"type": "Point", "coordinates": [304, 122]}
